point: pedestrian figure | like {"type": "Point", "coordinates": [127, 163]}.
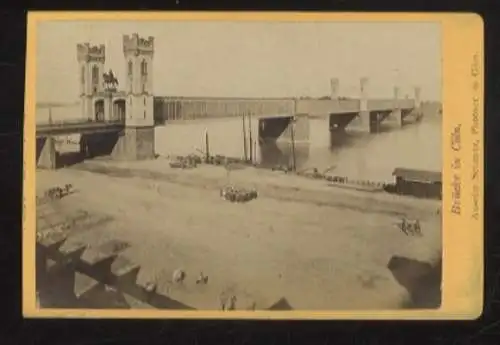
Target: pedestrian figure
{"type": "Point", "coordinates": [232, 303]}
{"type": "Point", "coordinates": [417, 228]}
{"type": "Point", "coordinates": [222, 301]}
{"type": "Point", "coordinates": [150, 290]}
{"type": "Point", "coordinates": [178, 276]}
{"type": "Point", "coordinates": [68, 187]}
{"type": "Point", "coordinates": [202, 279]}
{"type": "Point", "coordinates": [404, 226]}
{"type": "Point", "coordinates": [252, 306]}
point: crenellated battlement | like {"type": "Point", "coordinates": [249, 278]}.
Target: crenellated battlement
{"type": "Point", "coordinates": [87, 52]}
{"type": "Point", "coordinates": [136, 44]}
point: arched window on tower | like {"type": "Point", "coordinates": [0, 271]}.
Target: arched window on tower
{"type": "Point", "coordinates": [95, 75]}
{"type": "Point", "coordinates": [130, 69]}
{"type": "Point", "coordinates": [144, 68]}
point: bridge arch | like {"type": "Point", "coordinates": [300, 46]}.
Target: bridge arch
{"type": "Point", "coordinates": [99, 109]}
{"type": "Point", "coordinates": [119, 108]}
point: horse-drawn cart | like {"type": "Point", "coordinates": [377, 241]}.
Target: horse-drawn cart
{"type": "Point", "coordinates": [410, 227]}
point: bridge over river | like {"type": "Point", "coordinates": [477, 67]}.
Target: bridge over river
{"type": "Point", "coordinates": [111, 135]}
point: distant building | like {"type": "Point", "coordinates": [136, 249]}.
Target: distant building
{"type": "Point", "coordinates": [419, 183]}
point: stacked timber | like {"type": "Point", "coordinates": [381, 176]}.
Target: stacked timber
{"type": "Point", "coordinates": [234, 194]}
{"type": "Point", "coordinates": [185, 162]}
{"type": "Point", "coordinates": [55, 193]}
{"type": "Point", "coordinates": [282, 168]}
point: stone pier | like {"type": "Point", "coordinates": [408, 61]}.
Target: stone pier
{"type": "Point", "coordinates": [299, 124]}
{"type": "Point", "coordinates": [135, 143]}
{"type": "Point", "coordinates": [46, 153]}
{"type": "Point", "coordinates": [396, 117]}
{"type": "Point", "coordinates": [365, 121]}
{"type": "Point", "coordinates": [285, 138]}
{"type": "Point", "coordinates": [284, 128]}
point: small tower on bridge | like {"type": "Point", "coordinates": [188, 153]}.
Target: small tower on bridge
{"type": "Point", "coordinates": [334, 89]}
{"type": "Point", "coordinates": [396, 115]}
{"type": "Point", "coordinates": [418, 100]}
{"type": "Point", "coordinates": [139, 54]}
{"type": "Point", "coordinates": [91, 63]}
{"type": "Point", "coordinates": [363, 97]}
{"type": "Point", "coordinates": [396, 93]}
{"type": "Point", "coordinates": [364, 120]}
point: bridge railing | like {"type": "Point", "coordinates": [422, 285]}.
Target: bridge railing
{"type": "Point", "coordinates": [387, 104]}
{"type": "Point", "coordinates": [76, 123]}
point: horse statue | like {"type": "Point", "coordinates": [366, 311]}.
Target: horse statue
{"type": "Point", "coordinates": [110, 80]}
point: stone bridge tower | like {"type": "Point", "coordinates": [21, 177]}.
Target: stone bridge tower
{"type": "Point", "coordinates": [138, 139]}
{"type": "Point", "coordinates": [139, 80]}
{"type": "Point", "coordinates": [91, 63]}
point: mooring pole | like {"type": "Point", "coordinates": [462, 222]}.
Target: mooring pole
{"type": "Point", "coordinates": [255, 151]}
{"type": "Point", "coordinates": [207, 146]}
{"type": "Point", "coordinates": [294, 168]}
{"type": "Point", "coordinates": [244, 137]}
{"type": "Point", "coordinates": [176, 109]}
{"type": "Point", "coordinates": [50, 115]}
{"type": "Point", "coordinates": [250, 141]}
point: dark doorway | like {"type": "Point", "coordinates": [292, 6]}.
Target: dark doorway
{"type": "Point", "coordinates": [119, 108]}
{"type": "Point", "coordinates": [99, 110]}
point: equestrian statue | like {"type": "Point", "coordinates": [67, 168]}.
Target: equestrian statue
{"type": "Point", "coordinates": [110, 81]}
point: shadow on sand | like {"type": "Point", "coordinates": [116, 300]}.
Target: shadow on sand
{"type": "Point", "coordinates": [58, 291]}
{"type": "Point", "coordinates": [282, 304]}
{"type": "Point", "coordinates": [422, 280]}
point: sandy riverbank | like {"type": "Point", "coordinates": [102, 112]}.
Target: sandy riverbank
{"type": "Point", "coordinates": [320, 247]}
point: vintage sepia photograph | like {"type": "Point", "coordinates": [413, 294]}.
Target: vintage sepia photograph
{"type": "Point", "coordinates": [239, 165]}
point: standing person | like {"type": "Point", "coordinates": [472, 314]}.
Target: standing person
{"type": "Point", "coordinates": [222, 301]}
{"type": "Point", "coordinates": [232, 303]}
{"type": "Point", "coordinates": [404, 226]}
{"type": "Point", "coordinates": [417, 228]}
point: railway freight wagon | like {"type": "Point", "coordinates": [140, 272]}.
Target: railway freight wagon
{"type": "Point", "coordinates": [172, 109]}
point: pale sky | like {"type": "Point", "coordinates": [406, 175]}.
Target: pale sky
{"type": "Point", "coordinates": [252, 59]}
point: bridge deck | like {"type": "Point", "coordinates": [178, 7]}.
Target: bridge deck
{"type": "Point", "coordinates": [78, 127]}
{"type": "Point", "coordinates": [342, 106]}
{"type": "Point", "coordinates": [303, 106]}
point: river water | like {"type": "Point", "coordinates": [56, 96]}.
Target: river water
{"type": "Point", "coordinates": [360, 156]}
